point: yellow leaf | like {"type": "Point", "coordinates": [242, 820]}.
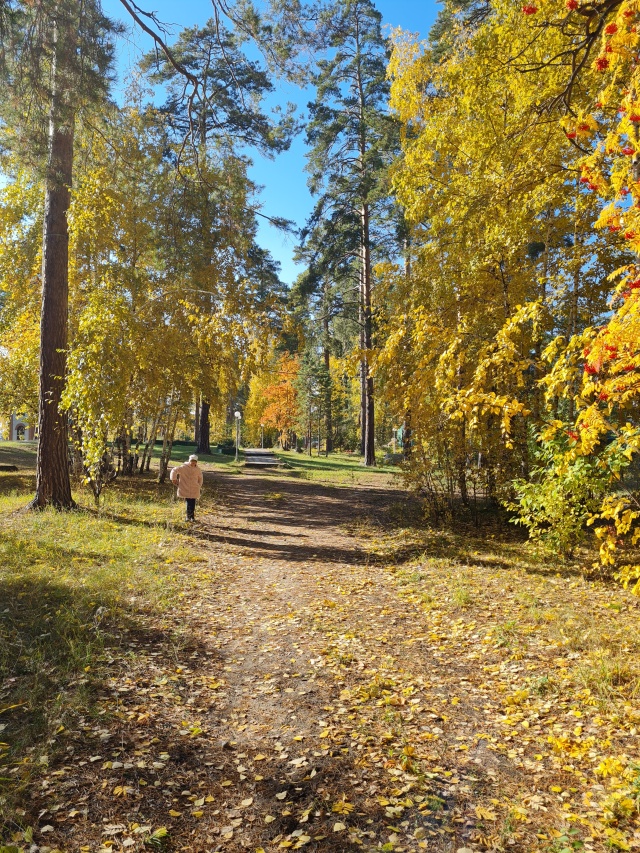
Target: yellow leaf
{"type": "Point", "coordinates": [485, 814]}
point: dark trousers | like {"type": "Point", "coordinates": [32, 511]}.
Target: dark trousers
{"type": "Point", "coordinates": [191, 507]}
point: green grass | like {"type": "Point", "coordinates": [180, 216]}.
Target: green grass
{"type": "Point", "coordinates": [20, 453]}
{"type": "Point", "coordinates": [71, 585]}
{"type": "Point", "coordinates": [340, 468]}
{"type": "Point", "coordinates": [181, 452]}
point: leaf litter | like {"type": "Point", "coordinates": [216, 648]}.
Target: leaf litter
{"type": "Point", "coordinates": [357, 686]}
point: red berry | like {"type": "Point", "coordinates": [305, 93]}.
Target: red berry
{"type": "Point", "coordinates": [629, 235]}
{"type": "Point", "coordinates": [573, 435]}
{"type": "Point", "coordinates": [592, 187]}
{"type": "Point", "coordinates": [590, 369]}
{"type": "Point", "coordinates": [628, 150]}
{"type": "Point", "coordinates": [602, 63]}
{"type": "Point", "coordinates": [614, 228]}
{"type": "Point", "coordinates": [610, 29]}
{"type": "Point", "coordinates": [572, 4]}
{"type": "Point", "coordinates": [634, 117]}
{"type": "Point", "coordinates": [529, 9]}
{"type": "Point", "coordinates": [634, 285]}
{"type": "Point", "coordinates": [608, 49]}
{"type": "Point", "coordinates": [571, 134]}
{"type": "Point", "coordinates": [603, 396]}
{"type": "Point", "coordinates": [624, 191]}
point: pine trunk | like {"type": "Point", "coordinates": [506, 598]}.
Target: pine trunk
{"type": "Point", "coordinates": [204, 434]}
{"type": "Point", "coordinates": [327, 367]}
{"type": "Point", "coordinates": [369, 430]}
{"type": "Point", "coordinates": [53, 486]}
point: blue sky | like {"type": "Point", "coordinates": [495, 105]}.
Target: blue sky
{"type": "Point", "coordinates": [283, 179]}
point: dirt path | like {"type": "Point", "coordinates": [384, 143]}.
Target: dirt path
{"type": "Point", "coordinates": [297, 696]}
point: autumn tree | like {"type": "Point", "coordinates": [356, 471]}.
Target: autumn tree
{"type": "Point", "coordinates": [56, 59]}
{"type": "Point", "coordinates": [509, 335]}
{"type": "Point", "coordinates": [281, 411]}
{"type": "Point", "coordinates": [225, 116]}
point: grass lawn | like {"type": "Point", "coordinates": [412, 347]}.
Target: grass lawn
{"type": "Point", "coordinates": [20, 453]}
{"type": "Point", "coordinates": [72, 584]}
{"type": "Point", "coordinates": [209, 461]}
{"type": "Point", "coordinates": [338, 468]}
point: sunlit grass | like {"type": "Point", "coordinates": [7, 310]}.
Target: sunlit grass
{"type": "Point", "coordinates": [339, 468]}
{"type": "Point", "coordinates": [70, 584]}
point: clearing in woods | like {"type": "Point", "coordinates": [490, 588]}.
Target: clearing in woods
{"type": "Point", "coordinates": [325, 672]}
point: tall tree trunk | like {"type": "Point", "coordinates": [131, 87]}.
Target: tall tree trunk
{"type": "Point", "coordinates": [204, 436]}
{"type": "Point", "coordinates": [197, 421]}
{"type": "Point", "coordinates": [406, 432]}
{"type": "Point", "coordinates": [369, 427]}
{"type": "Point", "coordinates": [363, 406]}
{"type": "Point", "coordinates": [406, 436]}
{"type": "Point", "coordinates": [575, 297]}
{"type": "Point", "coordinates": [327, 367]}
{"type": "Point", "coordinates": [53, 486]}
{"type": "Point", "coordinates": [366, 274]}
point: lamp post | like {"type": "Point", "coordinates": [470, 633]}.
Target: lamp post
{"type": "Point", "coordinates": [262, 436]}
{"type": "Point", "coordinates": [237, 417]}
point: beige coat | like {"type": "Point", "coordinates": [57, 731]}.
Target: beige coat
{"type": "Point", "coordinates": [188, 479]}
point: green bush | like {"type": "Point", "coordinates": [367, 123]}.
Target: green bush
{"type": "Point", "coordinates": [563, 493]}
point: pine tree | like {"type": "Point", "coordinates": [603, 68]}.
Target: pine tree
{"type": "Point", "coordinates": [55, 60]}
{"type": "Point", "coordinates": [352, 138]}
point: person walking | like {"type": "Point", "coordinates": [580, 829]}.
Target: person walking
{"type": "Point", "coordinates": [188, 479]}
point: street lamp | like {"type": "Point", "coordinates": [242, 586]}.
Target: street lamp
{"type": "Point", "coordinates": [262, 436]}
{"type": "Point", "coordinates": [237, 417]}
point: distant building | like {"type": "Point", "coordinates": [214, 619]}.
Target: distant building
{"type": "Point", "coordinates": [20, 429]}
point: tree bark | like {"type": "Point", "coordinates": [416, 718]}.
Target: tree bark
{"type": "Point", "coordinates": [327, 367]}
{"type": "Point", "coordinates": [204, 434]}
{"type": "Point", "coordinates": [369, 426]}
{"type": "Point", "coordinates": [406, 436]}
{"type": "Point", "coordinates": [53, 486]}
